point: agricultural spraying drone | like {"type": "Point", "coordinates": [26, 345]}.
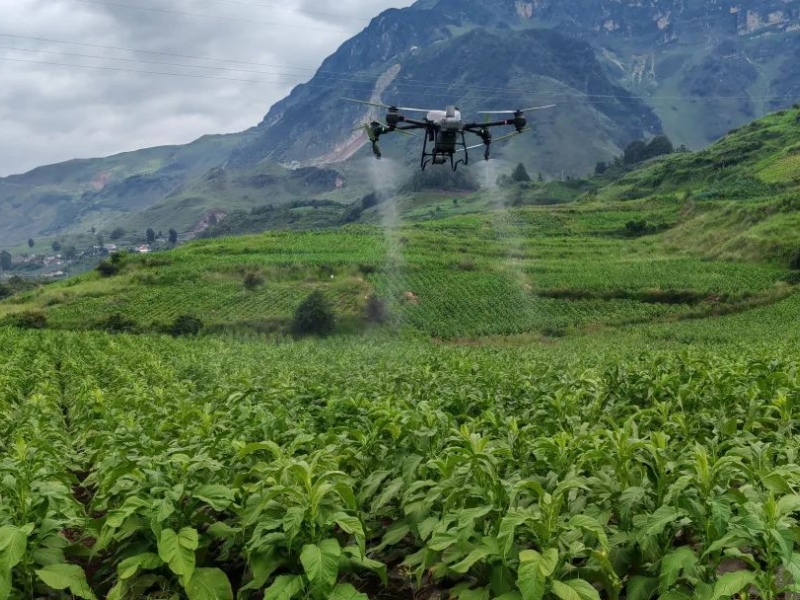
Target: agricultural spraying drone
{"type": "Point", "coordinates": [444, 129]}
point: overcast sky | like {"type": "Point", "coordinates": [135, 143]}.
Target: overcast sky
{"type": "Point", "coordinates": [58, 111]}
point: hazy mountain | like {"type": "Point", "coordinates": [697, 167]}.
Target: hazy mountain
{"type": "Point", "coordinates": [617, 69]}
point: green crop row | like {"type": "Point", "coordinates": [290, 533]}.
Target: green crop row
{"type": "Point", "coordinates": [147, 467]}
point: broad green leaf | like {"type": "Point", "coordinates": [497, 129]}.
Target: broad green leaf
{"type": "Point", "coordinates": [218, 497]}
{"type": "Point", "coordinates": [584, 589]}
{"type": "Point", "coordinates": [285, 587]}
{"type": "Point", "coordinates": [680, 560]}
{"type": "Point", "coordinates": [209, 584]}
{"type": "Point", "coordinates": [353, 526]}
{"type": "Point", "coordinates": [477, 594]}
{"type": "Point", "coordinates": [130, 566]}
{"type": "Point", "coordinates": [359, 559]}
{"type": "Point", "coordinates": [321, 563]}
{"type": "Point", "coordinates": [530, 579]}
{"type": "Point", "coordinates": [13, 542]}
{"type": "Point", "coordinates": [425, 528]}
{"type": "Point", "coordinates": [345, 591]}
{"type": "Point", "coordinates": [563, 591]}
{"type": "Point", "coordinates": [548, 561]}
{"type": "Point", "coordinates": [508, 525]}
{"type": "Point", "coordinates": [5, 584]}
{"type": "Point", "coordinates": [509, 596]}
{"type": "Point", "coordinates": [177, 550]}
{"type": "Point", "coordinates": [64, 576]}
{"type": "Point", "coordinates": [292, 521]}
{"type": "Point", "coordinates": [732, 583]}
{"type": "Point", "coordinates": [640, 587]}
{"type": "Point", "coordinates": [442, 541]}
{"type": "Point", "coordinates": [262, 565]}
{"type": "Point", "coordinates": [592, 525]}
{"type": "Point", "coordinates": [662, 517]}
{"type": "Point", "coordinates": [473, 557]}
{"type": "Point", "coordinates": [395, 535]}
{"type": "Point", "coordinates": [788, 504]}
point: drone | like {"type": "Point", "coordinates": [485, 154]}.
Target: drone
{"type": "Point", "coordinates": [444, 130]}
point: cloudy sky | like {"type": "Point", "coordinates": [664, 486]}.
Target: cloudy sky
{"type": "Point", "coordinates": [85, 78]}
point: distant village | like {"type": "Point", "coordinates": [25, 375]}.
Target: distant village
{"type": "Point", "coordinates": [57, 265]}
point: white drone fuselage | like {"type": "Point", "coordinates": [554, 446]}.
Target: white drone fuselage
{"type": "Point", "coordinates": [448, 120]}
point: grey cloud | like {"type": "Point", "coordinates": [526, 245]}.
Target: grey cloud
{"type": "Point", "coordinates": [51, 113]}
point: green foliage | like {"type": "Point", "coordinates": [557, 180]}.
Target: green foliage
{"type": "Point", "coordinates": [30, 243]}
{"type": "Point", "coordinates": [117, 233]}
{"type": "Point", "coordinates": [108, 268]}
{"type": "Point", "coordinates": [253, 280]}
{"type": "Point", "coordinates": [29, 319]}
{"type": "Point", "coordinates": [173, 236]}
{"type": "Point", "coordinates": [150, 235]}
{"type": "Point", "coordinates": [56, 246]}
{"type": "Point", "coordinates": [5, 261]}
{"type": "Point", "coordinates": [117, 323]}
{"type": "Point", "coordinates": [520, 174]}
{"type": "Point", "coordinates": [314, 316]}
{"type": "Point", "coordinates": [440, 179]}
{"type": "Point", "coordinates": [186, 325]}
{"type": "Point", "coordinates": [376, 310]}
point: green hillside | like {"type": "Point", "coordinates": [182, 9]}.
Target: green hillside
{"type": "Point", "coordinates": [585, 400]}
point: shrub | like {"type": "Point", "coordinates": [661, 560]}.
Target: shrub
{"type": "Point", "coordinates": [252, 280]}
{"type": "Point", "coordinates": [795, 262]}
{"type": "Point", "coordinates": [376, 310]}
{"type": "Point", "coordinates": [107, 268]}
{"type": "Point", "coordinates": [186, 325]}
{"type": "Point", "coordinates": [117, 323]}
{"type": "Point", "coordinates": [29, 319]}
{"type": "Point", "coordinates": [314, 316]}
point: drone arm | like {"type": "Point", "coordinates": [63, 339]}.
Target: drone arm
{"type": "Point", "coordinates": [476, 127]}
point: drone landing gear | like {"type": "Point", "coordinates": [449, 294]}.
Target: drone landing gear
{"type": "Point", "coordinates": [440, 157]}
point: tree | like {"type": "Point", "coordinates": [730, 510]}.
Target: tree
{"type": "Point", "coordinates": [314, 316]}
{"type": "Point", "coordinates": [117, 233]}
{"type": "Point", "coordinates": [600, 168]}
{"type": "Point", "coordinates": [659, 146]}
{"type": "Point", "coordinates": [71, 253]}
{"type": "Point", "coordinates": [635, 152]}
{"type": "Point", "coordinates": [151, 235]}
{"type": "Point", "coordinates": [100, 241]}
{"type": "Point", "coordinates": [5, 261]}
{"type": "Point", "coordinates": [173, 236]}
{"type": "Point", "coordinates": [540, 177]}
{"type": "Point", "coordinates": [30, 242]}
{"type": "Point", "coordinates": [520, 173]}
{"type": "Point", "coordinates": [186, 325]}
{"type": "Point", "coordinates": [56, 245]}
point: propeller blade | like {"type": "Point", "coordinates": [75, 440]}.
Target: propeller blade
{"type": "Point", "coordinates": [388, 107]}
{"type": "Point", "coordinates": [513, 112]}
{"type": "Point", "coordinates": [367, 103]}
{"type": "Point", "coordinates": [470, 147]}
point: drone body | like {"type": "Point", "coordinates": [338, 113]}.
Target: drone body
{"type": "Point", "coordinates": [444, 131]}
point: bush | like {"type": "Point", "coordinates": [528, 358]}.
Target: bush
{"type": "Point", "coordinates": [795, 262]}
{"type": "Point", "coordinates": [314, 316]}
{"type": "Point", "coordinates": [186, 325]}
{"type": "Point", "coordinates": [108, 268]}
{"type": "Point", "coordinates": [29, 319]}
{"type": "Point", "coordinates": [376, 310]}
{"type": "Point", "coordinates": [253, 280]}
{"type": "Point", "coordinates": [117, 323]}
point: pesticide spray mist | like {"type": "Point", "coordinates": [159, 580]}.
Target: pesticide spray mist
{"type": "Point", "coordinates": [384, 175]}
{"type": "Point", "coordinates": [509, 226]}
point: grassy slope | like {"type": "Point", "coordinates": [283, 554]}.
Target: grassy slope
{"type": "Point", "coordinates": [727, 220]}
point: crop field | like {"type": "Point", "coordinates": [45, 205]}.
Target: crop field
{"type": "Point", "coordinates": [521, 271]}
{"type": "Point", "coordinates": [149, 467]}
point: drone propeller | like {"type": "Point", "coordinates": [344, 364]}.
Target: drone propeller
{"type": "Point", "coordinates": [387, 107]}
{"type": "Point", "coordinates": [500, 139]}
{"type": "Point", "coordinates": [514, 112]}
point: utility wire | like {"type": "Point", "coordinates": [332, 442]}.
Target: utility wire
{"type": "Point", "coordinates": [204, 16]}
{"type": "Point", "coordinates": [533, 95]}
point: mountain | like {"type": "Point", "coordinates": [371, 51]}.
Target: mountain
{"type": "Point", "coordinates": [481, 69]}
{"type": "Point", "coordinates": [617, 70]}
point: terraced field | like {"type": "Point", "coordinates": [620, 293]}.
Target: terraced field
{"type": "Point", "coordinates": [510, 272]}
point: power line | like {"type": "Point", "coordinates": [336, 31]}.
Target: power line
{"type": "Point", "coordinates": [282, 8]}
{"type": "Point", "coordinates": [204, 16]}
